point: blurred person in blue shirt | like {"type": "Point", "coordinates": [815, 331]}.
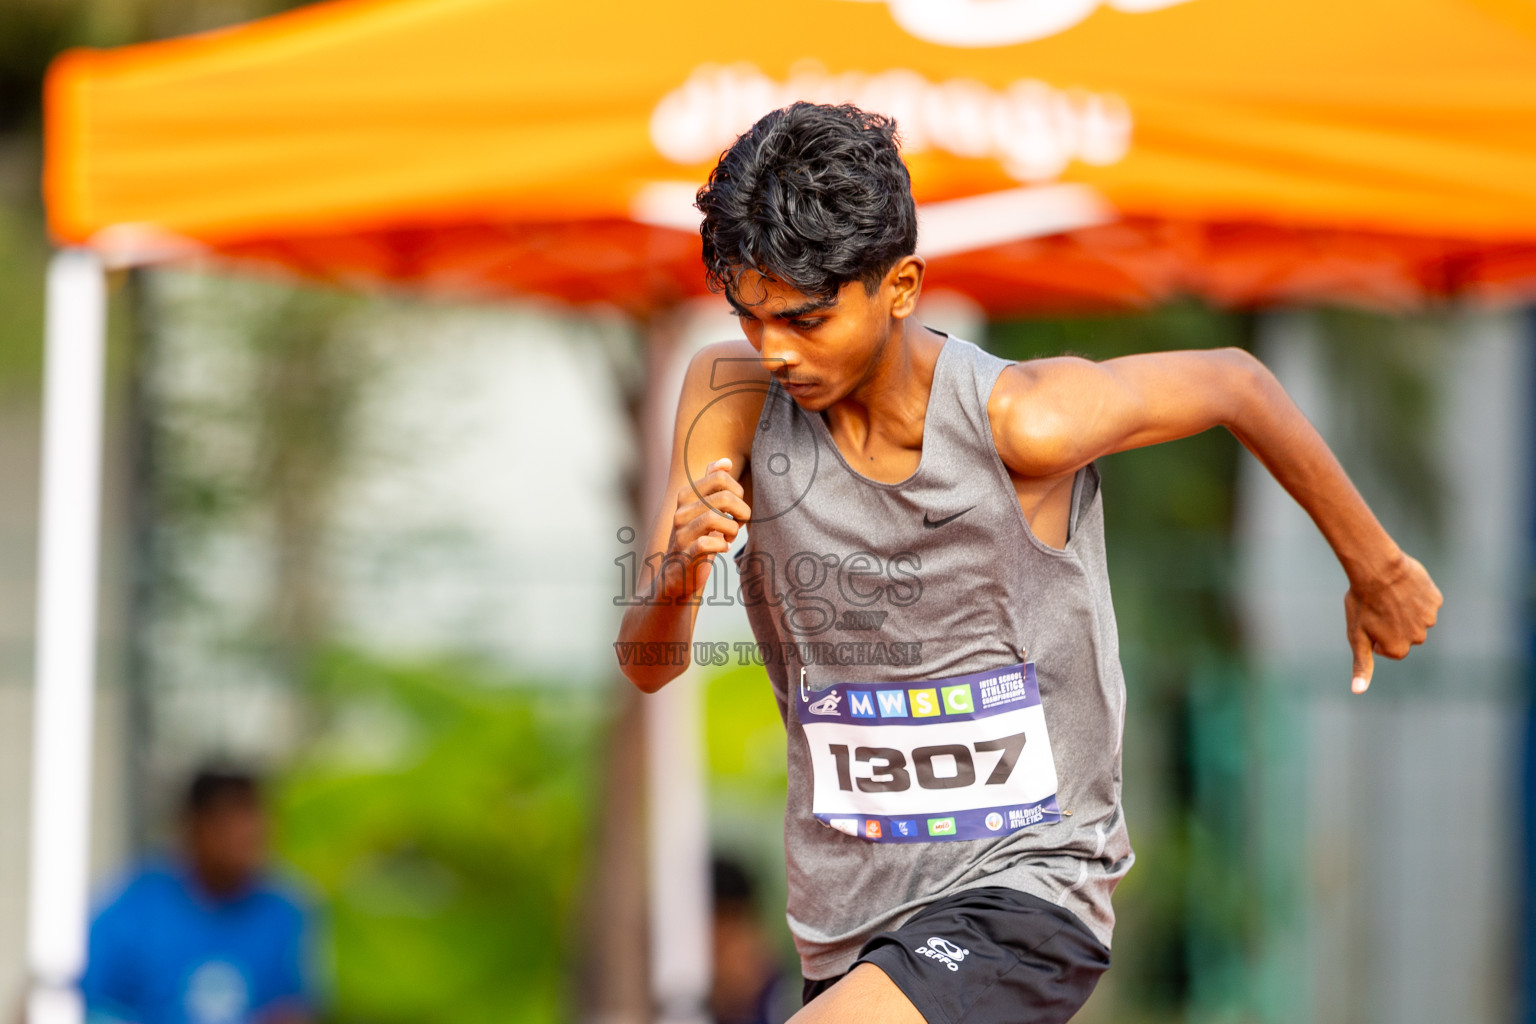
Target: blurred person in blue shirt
{"type": "Point", "coordinates": [206, 937]}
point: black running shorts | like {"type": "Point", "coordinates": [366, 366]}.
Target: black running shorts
{"type": "Point", "coordinates": [988, 956]}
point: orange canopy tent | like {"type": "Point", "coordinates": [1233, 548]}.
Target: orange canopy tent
{"type": "Point", "coordinates": [1065, 153]}
{"type": "Point", "coordinates": [1243, 150]}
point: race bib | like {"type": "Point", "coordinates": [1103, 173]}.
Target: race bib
{"type": "Point", "coordinates": [960, 758]}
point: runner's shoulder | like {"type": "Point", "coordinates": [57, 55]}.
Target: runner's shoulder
{"type": "Point", "coordinates": [1036, 410]}
{"type": "Point", "coordinates": [722, 398]}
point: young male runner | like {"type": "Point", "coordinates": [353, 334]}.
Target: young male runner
{"type": "Point", "coordinates": [925, 571]}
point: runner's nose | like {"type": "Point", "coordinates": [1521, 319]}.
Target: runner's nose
{"type": "Point", "coordinates": [777, 350]}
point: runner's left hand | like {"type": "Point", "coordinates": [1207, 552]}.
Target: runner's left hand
{"type": "Point", "coordinates": [1388, 615]}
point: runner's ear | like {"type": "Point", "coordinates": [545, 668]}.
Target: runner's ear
{"type": "Point", "coordinates": [904, 283]}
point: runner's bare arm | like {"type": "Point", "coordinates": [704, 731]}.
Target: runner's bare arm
{"type": "Point", "coordinates": [694, 523]}
{"type": "Point", "coordinates": [866, 993]}
{"type": "Point", "coordinates": [1052, 416]}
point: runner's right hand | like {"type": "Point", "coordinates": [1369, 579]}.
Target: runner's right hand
{"type": "Point", "coordinates": [710, 513]}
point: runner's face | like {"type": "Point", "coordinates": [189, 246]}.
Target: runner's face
{"type": "Point", "coordinates": [820, 350]}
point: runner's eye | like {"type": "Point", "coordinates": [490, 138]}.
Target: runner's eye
{"type": "Point", "coordinates": [806, 325]}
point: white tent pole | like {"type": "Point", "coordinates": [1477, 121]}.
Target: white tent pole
{"type": "Point", "coordinates": [677, 806]}
{"type": "Point", "coordinates": [65, 665]}
{"type": "Point", "coordinates": [681, 948]}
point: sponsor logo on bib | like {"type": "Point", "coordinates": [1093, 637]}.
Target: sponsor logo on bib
{"type": "Point", "coordinates": [827, 705]}
{"type": "Point", "coordinates": [848, 825]}
{"type": "Point", "coordinates": [941, 826]}
{"type": "Point", "coordinates": [994, 821]}
{"type": "Point", "coordinates": [1019, 817]}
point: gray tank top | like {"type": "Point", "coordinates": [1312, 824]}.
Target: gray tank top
{"type": "Point", "coordinates": [859, 592]}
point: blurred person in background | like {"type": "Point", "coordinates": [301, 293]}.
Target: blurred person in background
{"type": "Point", "coordinates": [205, 936]}
{"type": "Point", "coordinates": [748, 986]}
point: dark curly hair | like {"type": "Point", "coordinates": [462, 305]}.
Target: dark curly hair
{"type": "Point", "coordinates": [812, 195]}
{"type": "Point", "coordinates": [213, 788]}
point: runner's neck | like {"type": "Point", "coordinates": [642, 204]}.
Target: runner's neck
{"type": "Point", "coordinates": [879, 426]}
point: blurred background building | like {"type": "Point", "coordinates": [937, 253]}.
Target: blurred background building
{"type": "Point", "coordinates": [371, 543]}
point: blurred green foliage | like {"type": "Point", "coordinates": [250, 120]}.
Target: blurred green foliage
{"type": "Point", "coordinates": [744, 737]}
{"type": "Point", "coordinates": [23, 259]}
{"type": "Point", "coordinates": [31, 32]}
{"type": "Point", "coordinates": [443, 814]}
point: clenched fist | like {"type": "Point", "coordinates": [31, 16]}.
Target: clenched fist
{"type": "Point", "coordinates": [1387, 615]}
{"type": "Point", "coordinates": [710, 513]}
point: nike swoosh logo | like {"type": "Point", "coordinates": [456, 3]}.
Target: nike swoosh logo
{"type": "Point", "coordinates": [936, 523]}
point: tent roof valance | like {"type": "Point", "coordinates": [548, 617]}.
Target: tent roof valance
{"type": "Point", "coordinates": [1239, 149]}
